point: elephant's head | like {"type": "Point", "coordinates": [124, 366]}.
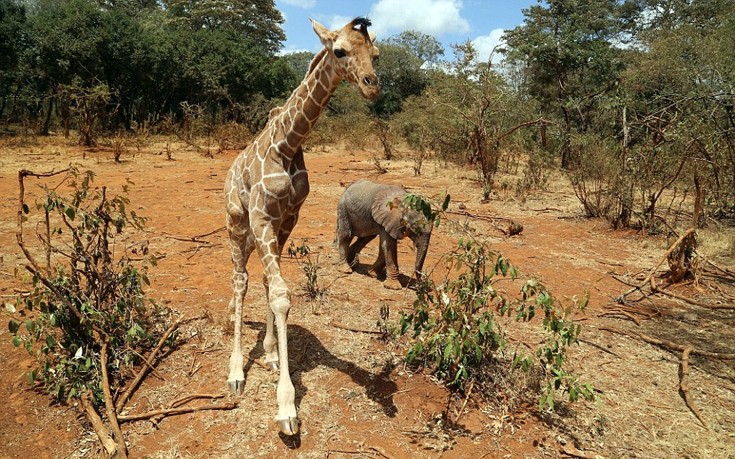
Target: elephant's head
{"type": "Point", "coordinates": [400, 221]}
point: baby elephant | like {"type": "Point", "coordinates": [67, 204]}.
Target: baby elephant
{"type": "Point", "coordinates": [368, 209]}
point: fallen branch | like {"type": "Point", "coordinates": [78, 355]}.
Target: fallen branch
{"type": "Point", "coordinates": [684, 386]}
{"type": "Point", "coordinates": [598, 347]}
{"type": "Point", "coordinates": [722, 270]}
{"type": "Point", "coordinates": [623, 313]}
{"type": "Point", "coordinates": [571, 451]}
{"type": "Point", "coordinates": [99, 427]}
{"type": "Point", "coordinates": [188, 398]}
{"type": "Point", "coordinates": [648, 278]}
{"type": "Point", "coordinates": [175, 411]}
{"type": "Point", "coordinates": [466, 399]}
{"type": "Point", "coordinates": [145, 368]}
{"type": "Point", "coordinates": [122, 450]}
{"type": "Point", "coordinates": [670, 344]}
{"type": "Point", "coordinates": [196, 238]}
{"type": "Point", "coordinates": [690, 301]}
{"type": "Point", "coordinates": [380, 451]}
{"type": "Point", "coordinates": [353, 329]}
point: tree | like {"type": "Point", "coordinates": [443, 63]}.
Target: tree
{"type": "Point", "coordinates": [258, 20]}
{"type": "Point", "coordinates": [403, 69]}
{"type": "Point", "coordinates": [567, 50]}
{"type": "Point", "coordinates": [13, 42]}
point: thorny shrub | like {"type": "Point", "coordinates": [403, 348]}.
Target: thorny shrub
{"type": "Point", "coordinates": [90, 291]}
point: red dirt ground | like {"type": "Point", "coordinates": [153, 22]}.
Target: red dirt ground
{"type": "Point", "coordinates": [351, 399]}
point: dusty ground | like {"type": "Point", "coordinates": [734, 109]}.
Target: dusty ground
{"type": "Point", "coordinates": [354, 397]}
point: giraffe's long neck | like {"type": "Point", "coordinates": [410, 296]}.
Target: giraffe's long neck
{"type": "Point", "coordinates": [301, 111]}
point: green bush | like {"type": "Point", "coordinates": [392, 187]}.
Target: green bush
{"type": "Point", "coordinates": [456, 334]}
{"type": "Point", "coordinates": [90, 292]}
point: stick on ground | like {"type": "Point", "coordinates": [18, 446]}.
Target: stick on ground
{"type": "Point", "coordinates": [684, 386]}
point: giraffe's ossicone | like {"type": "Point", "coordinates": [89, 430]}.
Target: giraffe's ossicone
{"type": "Point", "coordinates": [266, 186]}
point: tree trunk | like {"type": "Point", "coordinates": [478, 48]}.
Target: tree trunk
{"type": "Point", "coordinates": [47, 122]}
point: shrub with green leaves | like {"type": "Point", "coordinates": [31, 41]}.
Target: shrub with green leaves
{"type": "Point", "coordinates": [89, 291]}
{"type": "Point", "coordinates": [456, 334]}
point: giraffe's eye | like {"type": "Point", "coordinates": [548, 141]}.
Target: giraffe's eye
{"type": "Point", "coordinates": [339, 53]}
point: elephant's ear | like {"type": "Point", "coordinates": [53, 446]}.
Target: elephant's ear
{"type": "Point", "coordinates": [388, 212]}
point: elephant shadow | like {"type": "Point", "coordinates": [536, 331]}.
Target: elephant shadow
{"type": "Point", "coordinates": [306, 353]}
{"type": "Point", "coordinates": [364, 270]}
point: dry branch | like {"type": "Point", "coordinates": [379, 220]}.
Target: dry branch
{"type": "Point", "coordinates": [684, 386]}
{"type": "Point", "coordinates": [670, 344]}
{"type": "Point", "coordinates": [466, 399]}
{"type": "Point", "coordinates": [99, 427]}
{"type": "Point", "coordinates": [571, 451]}
{"type": "Point", "coordinates": [511, 229]}
{"type": "Point", "coordinates": [665, 257]}
{"type": "Point", "coordinates": [196, 238]}
{"type": "Point", "coordinates": [690, 301]}
{"type": "Point", "coordinates": [144, 369]}
{"type": "Point", "coordinates": [188, 398]}
{"type": "Point", "coordinates": [175, 411]}
{"type": "Point", "coordinates": [358, 330]}
{"type": "Point", "coordinates": [122, 451]}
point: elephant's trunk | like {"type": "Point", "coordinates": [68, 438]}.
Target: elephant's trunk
{"type": "Point", "coordinates": [422, 246]}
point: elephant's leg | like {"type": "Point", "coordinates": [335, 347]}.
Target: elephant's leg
{"type": "Point", "coordinates": [354, 250]}
{"type": "Point", "coordinates": [378, 266]}
{"type": "Point", "coordinates": [343, 243]}
{"type": "Point", "coordinates": [389, 249]}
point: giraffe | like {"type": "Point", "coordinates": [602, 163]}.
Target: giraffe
{"type": "Point", "coordinates": [266, 186]}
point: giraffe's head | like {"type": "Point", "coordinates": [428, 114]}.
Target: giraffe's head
{"type": "Point", "coordinates": [352, 53]}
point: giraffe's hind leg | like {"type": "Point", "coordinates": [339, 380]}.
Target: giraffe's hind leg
{"type": "Point", "coordinates": [242, 245]}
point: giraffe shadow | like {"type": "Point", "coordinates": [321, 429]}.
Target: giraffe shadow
{"type": "Point", "coordinates": [306, 353]}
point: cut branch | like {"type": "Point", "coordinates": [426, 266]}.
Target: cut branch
{"type": "Point", "coordinates": [175, 411]}
{"type": "Point", "coordinates": [122, 451]}
{"type": "Point", "coordinates": [99, 427]}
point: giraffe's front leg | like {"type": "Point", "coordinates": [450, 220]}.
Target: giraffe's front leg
{"type": "Point", "coordinates": [236, 378]}
{"type": "Point", "coordinates": [242, 245]}
{"type": "Point", "coordinates": [279, 300]}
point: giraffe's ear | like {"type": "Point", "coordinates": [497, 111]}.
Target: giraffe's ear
{"type": "Point", "coordinates": [372, 36]}
{"type": "Point", "coordinates": [325, 35]}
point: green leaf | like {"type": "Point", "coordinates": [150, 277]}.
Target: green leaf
{"type": "Point", "coordinates": [69, 211]}
{"type": "Point", "coordinates": [25, 208]}
{"type": "Point", "coordinates": [50, 342]}
{"type": "Point", "coordinates": [10, 307]}
{"type": "Point", "coordinates": [13, 326]}
{"type": "Point", "coordinates": [16, 341]}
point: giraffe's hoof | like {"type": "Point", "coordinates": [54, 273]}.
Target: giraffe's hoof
{"type": "Point", "coordinates": [392, 284]}
{"type": "Point", "coordinates": [237, 386]}
{"type": "Point", "coordinates": [272, 366]}
{"type": "Point", "coordinates": [289, 425]}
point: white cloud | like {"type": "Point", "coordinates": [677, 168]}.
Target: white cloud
{"type": "Point", "coordinates": [432, 17]}
{"type": "Point", "coordinates": [305, 4]}
{"type": "Point", "coordinates": [336, 22]}
{"type": "Point", "coordinates": [486, 44]}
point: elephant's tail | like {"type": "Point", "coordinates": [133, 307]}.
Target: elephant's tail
{"type": "Point", "coordinates": [344, 229]}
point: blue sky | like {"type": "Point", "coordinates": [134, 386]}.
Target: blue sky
{"type": "Point", "coordinates": [449, 21]}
